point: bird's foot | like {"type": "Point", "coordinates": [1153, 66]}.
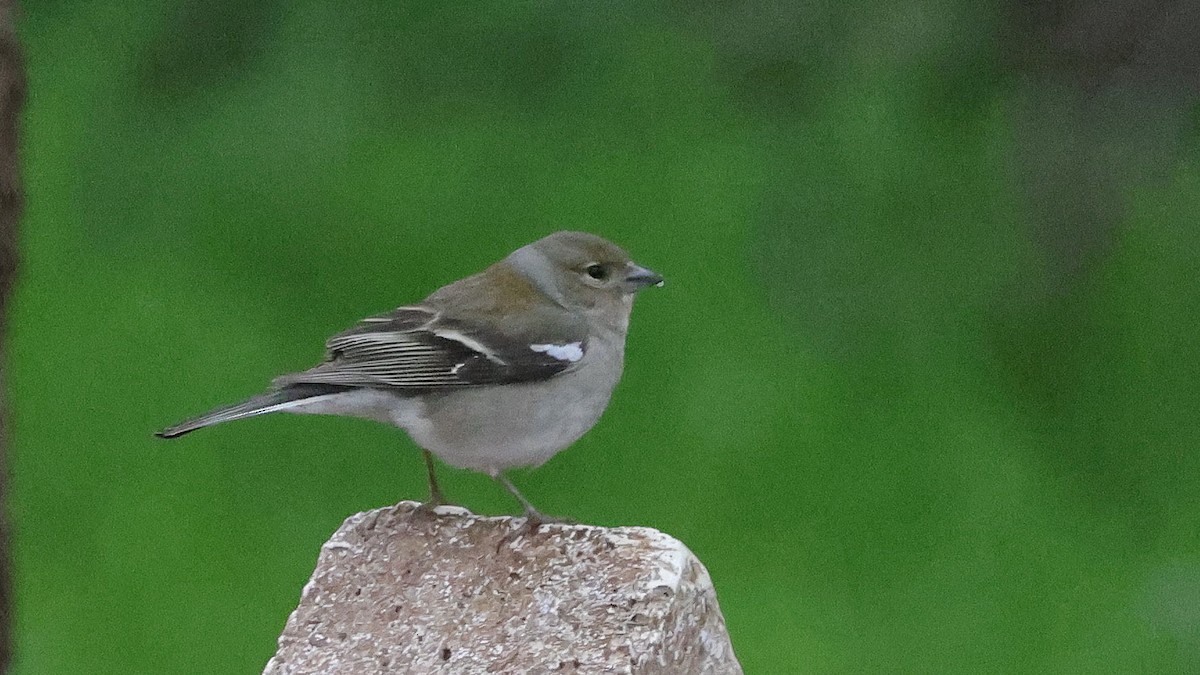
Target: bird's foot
{"type": "Point", "coordinates": [534, 519]}
{"type": "Point", "coordinates": [429, 506]}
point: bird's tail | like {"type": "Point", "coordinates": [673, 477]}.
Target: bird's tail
{"type": "Point", "coordinates": [274, 401]}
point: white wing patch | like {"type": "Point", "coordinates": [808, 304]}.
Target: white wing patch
{"type": "Point", "coordinates": [572, 351]}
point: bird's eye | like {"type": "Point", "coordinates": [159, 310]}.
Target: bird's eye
{"type": "Point", "coordinates": [597, 272]}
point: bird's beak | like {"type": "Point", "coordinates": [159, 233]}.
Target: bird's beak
{"type": "Point", "coordinates": [637, 278]}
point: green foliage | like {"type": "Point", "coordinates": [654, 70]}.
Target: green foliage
{"type": "Point", "coordinates": [865, 398]}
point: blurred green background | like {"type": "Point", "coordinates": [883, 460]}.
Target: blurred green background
{"type": "Point", "coordinates": [921, 390]}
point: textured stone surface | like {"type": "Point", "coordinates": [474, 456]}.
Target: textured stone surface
{"type": "Point", "coordinates": [397, 590]}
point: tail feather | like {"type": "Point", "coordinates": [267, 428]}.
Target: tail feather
{"type": "Point", "coordinates": [262, 404]}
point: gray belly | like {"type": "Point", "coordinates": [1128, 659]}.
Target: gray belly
{"type": "Point", "coordinates": [496, 428]}
{"type": "Point", "coordinates": [491, 429]}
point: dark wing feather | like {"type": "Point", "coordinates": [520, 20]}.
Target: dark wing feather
{"type": "Point", "coordinates": [416, 348]}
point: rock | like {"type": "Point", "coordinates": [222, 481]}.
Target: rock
{"type": "Point", "coordinates": [398, 590]}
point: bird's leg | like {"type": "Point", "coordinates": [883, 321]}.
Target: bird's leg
{"type": "Point", "coordinates": [436, 498]}
{"type": "Point", "coordinates": [533, 517]}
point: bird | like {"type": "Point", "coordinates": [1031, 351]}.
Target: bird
{"type": "Point", "coordinates": [499, 370]}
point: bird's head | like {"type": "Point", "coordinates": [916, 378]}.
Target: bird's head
{"type": "Point", "coordinates": [582, 271]}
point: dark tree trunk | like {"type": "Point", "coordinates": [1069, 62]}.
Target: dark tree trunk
{"type": "Point", "coordinates": [12, 96]}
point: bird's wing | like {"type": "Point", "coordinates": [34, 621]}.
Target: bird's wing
{"type": "Point", "coordinates": [417, 348]}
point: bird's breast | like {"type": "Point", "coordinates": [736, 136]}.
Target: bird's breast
{"type": "Point", "coordinates": [494, 428]}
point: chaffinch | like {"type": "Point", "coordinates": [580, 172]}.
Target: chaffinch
{"type": "Point", "coordinates": [501, 369]}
